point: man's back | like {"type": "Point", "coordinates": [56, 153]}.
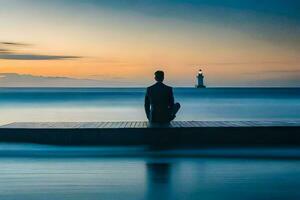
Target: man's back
{"type": "Point", "coordinates": [159, 100]}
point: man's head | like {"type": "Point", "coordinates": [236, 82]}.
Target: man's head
{"type": "Point", "coordinates": [159, 76]}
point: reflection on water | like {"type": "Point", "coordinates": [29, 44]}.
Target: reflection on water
{"type": "Point", "coordinates": [148, 178]}
{"type": "Point", "coordinates": [158, 180]}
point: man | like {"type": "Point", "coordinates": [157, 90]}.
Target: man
{"type": "Point", "coordinates": [159, 101]}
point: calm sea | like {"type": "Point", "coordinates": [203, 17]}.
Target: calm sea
{"type": "Point", "coordinates": [148, 179]}
{"type": "Point", "coordinates": [115, 104]}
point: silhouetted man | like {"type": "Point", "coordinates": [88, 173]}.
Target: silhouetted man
{"type": "Point", "coordinates": [159, 101]}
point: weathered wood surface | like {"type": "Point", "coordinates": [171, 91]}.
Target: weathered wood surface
{"type": "Point", "coordinates": [143, 125]}
{"type": "Point", "coordinates": [176, 134]}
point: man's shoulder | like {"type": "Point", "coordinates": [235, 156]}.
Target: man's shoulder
{"type": "Point", "coordinates": [159, 85]}
{"type": "Point", "coordinates": [168, 87]}
{"type": "Point", "coordinates": [151, 86]}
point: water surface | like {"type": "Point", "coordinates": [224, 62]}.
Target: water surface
{"type": "Point", "coordinates": [148, 178]}
{"type": "Point", "coordinates": [117, 104]}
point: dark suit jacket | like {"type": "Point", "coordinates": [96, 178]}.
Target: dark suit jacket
{"type": "Point", "coordinates": [159, 101]}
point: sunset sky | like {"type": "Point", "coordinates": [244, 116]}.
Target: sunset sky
{"type": "Point", "coordinates": [235, 42]}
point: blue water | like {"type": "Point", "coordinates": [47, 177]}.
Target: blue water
{"type": "Point", "coordinates": [41, 172]}
{"type": "Point", "coordinates": [148, 179]}
{"type": "Point", "coordinates": [116, 104]}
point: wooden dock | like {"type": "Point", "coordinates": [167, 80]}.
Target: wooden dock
{"type": "Point", "coordinates": [177, 133]}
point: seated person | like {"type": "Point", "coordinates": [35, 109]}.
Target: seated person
{"type": "Point", "coordinates": [159, 101]}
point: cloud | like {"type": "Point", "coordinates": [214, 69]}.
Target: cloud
{"type": "Point", "coordinates": [252, 62]}
{"type": "Point", "coordinates": [15, 43]}
{"type": "Point", "coordinates": [12, 56]}
{"type": "Point", "coordinates": [27, 80]}
{"type": "Point", "coordinates": [283, 71]}
{"type": "Point", "coordinates": [8, 53]}
{"type": "Point", "coordinates": [4, 51]}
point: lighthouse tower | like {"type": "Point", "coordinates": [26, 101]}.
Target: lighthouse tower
{"type": "Point", "coordinates": [200, 80]}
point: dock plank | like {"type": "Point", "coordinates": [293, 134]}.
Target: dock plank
{"type": "Point", "coordinates": [133, 125]}
{"type": "Point", "coordinates": [145, 124]}
{"type": "Point", "coordinates": [127, 125]}
{"type": "Point", "coordinates": [180, 123]}
{"type": "Point", "coordinates": [114, 124]}
{"type": "Point", "coordinates": [123, 125]}
{"type": "Point", "coordinates": [119, 125]}
{"type": "Point", "coordinates": [139, 125]}
{"type": "Point", "coordinates": [109, 125]}
{"type": "Point", "coordinates": [175, 124]}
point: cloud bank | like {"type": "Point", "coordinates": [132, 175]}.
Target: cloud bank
{"type": "Point", "coordinates": [26, 80]}
{"type": "Point", "coordinates": [13, 56]}
{"type": "Point", "coordinates": [14, 43]}
{"type": "Point", "coordinates": [8, 53]}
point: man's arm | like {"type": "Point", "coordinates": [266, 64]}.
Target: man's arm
{"type": "Point", "coordinates": [147, 104]}
{"type": "Point", "coordinates": [171, 98]}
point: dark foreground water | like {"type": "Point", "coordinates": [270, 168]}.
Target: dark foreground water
{"type": "Point", "coordinates": [115, 104]}
{"type": "Point", "coordinates": [148, 178]}
{"type": "Point", "coordinates": [41, 172]}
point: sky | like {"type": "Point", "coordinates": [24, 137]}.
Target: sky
{"type": "Point", "coordinates": [122, 42]}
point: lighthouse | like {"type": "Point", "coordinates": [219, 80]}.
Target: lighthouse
{"type": "Point", "coordinates": [200, 80]}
